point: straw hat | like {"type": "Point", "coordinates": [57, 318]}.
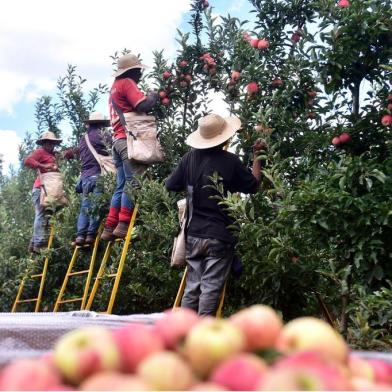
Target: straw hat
{"type": "Point", "coordinates": [126, 62]}
{"type": "Point", "coordinates": [213, 130]}
{"type": "Point", "coordinates": [48, 136]}
{"type": "Point", "coordinates": [97, 117]}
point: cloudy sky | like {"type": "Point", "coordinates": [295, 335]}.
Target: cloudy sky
{"type": "Point", "coordinates": [39, 38]}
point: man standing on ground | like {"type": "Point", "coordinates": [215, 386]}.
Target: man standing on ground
{"type": "Point", "coordinates": [209, 242]}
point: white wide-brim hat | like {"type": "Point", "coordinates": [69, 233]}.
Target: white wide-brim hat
{"type": "Point", "coordinates": [127, 62]}
{"type": "Point", "coordinates": [97, 117]}
{"type": "Point", "coordinates": [48, 136]}
{"type": "Point", "coordinates": [213, 130]}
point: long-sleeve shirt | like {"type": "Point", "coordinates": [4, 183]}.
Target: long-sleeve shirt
{"type": "Point", "coordinates": [37, 158]}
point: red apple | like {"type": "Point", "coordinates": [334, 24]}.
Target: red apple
{"type": "Point", "coordinates": [246, 36]}
{"type": "Point", "coordinates": [360, 368]}
{"type": "Point", "coordinates": [252, 88]}
{"type": "Point", "coordinates": [343, 3]}
{"type": "Point", "coordinates": [389, 97]}
{"type": "Point", "coordinates": [162, 94]}
{"type": "Point", "coordinates": [113, 381]}
{"type": "Point", "coordinates": [166, 371]}
{"type": "Point", "coordinates": [389, 107]}
{"type": "Point", "coordinates": [136, 342]}
{"type": "Point", "coordinates": [183, 63]}
{"type": "Point", "coordinates": [85, 351]}
{"type": "Point", "coordinates": [174, 326]}
{"type": "Point", "coordinates": [336, 141]}
{"type": "Point", "coordinates": [254, 43]}
{"type": "Point", "coordinates": [166, 75]}
{"type": "Point", "coordinates": [344, 138]}
{"type": "Point", "coordinates": [29, 375]}
{"type": "Point", "coordinates": [386, 120]}
{"type": "Point", "coordinates": [188, 78]}
{"type": "Point", "coordinates": [235, 75]}
{"type": "Point", "coordinates": [382, 370]}
{"type": "Point", "coordinates": [263, 44]}
{"type": "Point", "coordinates": [210, 342]}
{"type": "Point", "coordinates": [165, 101]}
{"type": "Point", "coordinates": [296, 37]}
{"type": "Point", "coordinates": [312, 94]}
{"type": "Point", "coordinates": [242, 372]}
{"type": "Point", "coordinates": [260, 324]}
{"type": "Point", "coordinates": [205, 4]}
{"type": "Point", "coordinates": [310, 333]}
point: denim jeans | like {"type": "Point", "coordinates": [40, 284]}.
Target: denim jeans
{"type": "Point", "coordinates": [88, 223]}
{"type": "Point", "coordinates": [208, 266]}
{"type": "Point", "coordinates": [125, 174]}
{"type": "Point", "coordinates": [40, 231]}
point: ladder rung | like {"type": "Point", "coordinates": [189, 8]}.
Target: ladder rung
{"type": "Point", "coordinates": [27, 300]}
{"type": "Point", "coordinates": [106, 276]}
{"type": "Point", "coordinates": [36, 276]}
{"type": "Point", "coordinates": [70, 300]}
{"type": "Point", "coordinates": [78, 273]}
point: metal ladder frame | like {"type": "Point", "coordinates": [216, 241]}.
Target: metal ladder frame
{"type": "Point", "coordinates": [117, 275]}
{"type": "Point", "coordinates": [42, 275]}
{"type": "Point", "coordinates": [181, 289]}
{"type": "Point", "coordinates": [88, 271]}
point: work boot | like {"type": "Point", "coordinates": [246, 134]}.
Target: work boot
{"type": "Point", "coordinates": [90, 239]}
{"type": "Point", "coordinates": [30, 248]}
{"type": "Point", "coordinates": [79, 241]}
{"type": "Point", "coordinates": [107, 234]}
{"type": "Point", "coordinates": [39, 246]}
{"type": "Point", "coordinates": [121, 230]}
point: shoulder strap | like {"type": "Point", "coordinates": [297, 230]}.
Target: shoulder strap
{"type": "Point", "coordinates": [122, 118]}
{"type": "Point", "coordinates": [92, 150]}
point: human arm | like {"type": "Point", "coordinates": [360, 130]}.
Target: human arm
{"type": "Point", "coordinates": [259, 145]}
{"type": "Point", "coordinates": [148, 104]}
{"type": "Point", "coordinates": [32, 161]}
{"type": "Point", "coordinates": [175, 182]}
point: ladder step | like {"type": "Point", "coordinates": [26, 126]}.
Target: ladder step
{"type": "Point", "coordinates": [27, 300]}
{"type": "Point", "coordinates": [36, 276]}
{"type": "Point", "coordinates": [70, 300]}
{"type": "Point", "coordinates": [78, 273]}
{"type": "Point", "coordinates": [106, 276]}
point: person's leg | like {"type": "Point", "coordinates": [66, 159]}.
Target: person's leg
{"type": "Point", "coordinates": [40, 236]}
{"type": "Point", "coordinates": [83, 218]}
{"type": "Point", "coordinates": [218, 261]}
{"type": "Point", "coordinates": [115, 203]}
{"type": "Point", "coordinates": [195, 254]}
{"type": "Point", "coordinates": [93, 216]}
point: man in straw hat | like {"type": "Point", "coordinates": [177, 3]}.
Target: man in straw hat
{"type": "Point", "coordinates": [209, 242]}
{"type": "Point", "coordinates": [87, 223]}
{"type": "Point", "coordinates": [128, 98]}
{"type": "Point", "coordinates": [42, 159]}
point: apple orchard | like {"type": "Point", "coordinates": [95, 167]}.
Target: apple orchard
{"type": "Point", "coordinates": [313, 78]}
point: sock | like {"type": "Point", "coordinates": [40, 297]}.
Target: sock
{"type": "Point", "coordinates": [125, 214]}
{"type": "Point", "coordinates": [112, 219]}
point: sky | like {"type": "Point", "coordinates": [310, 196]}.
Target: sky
{"type": "Point", "coordinates": [39, 38]}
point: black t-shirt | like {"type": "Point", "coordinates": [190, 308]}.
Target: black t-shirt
{"type": "Point", "coordinates": [209, 220]}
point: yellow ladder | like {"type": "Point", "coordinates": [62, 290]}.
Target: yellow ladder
{"type": "Point", "coordinates": [89, 272]}
{"type": "Point", "coordinates": [181, 289]}
{"type": "Point", "coordinates": [42, 275]}
{"type": "Point", "coordinates": [101, 272]}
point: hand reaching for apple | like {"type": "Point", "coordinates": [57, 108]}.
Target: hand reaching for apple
{"type": "Point", "coordinates": [260, 144]}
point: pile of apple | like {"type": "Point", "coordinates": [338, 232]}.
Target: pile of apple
{"type": "Point", "coordinates": [251, 350]}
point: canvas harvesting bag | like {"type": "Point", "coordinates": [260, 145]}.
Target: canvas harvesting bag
{"type": "Point", "coordinates": [142, 137]}
{"type": "Point", "coordinates": [52, 190]}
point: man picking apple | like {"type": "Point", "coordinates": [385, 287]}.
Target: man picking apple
{"type": "Point", "coordinates": [209, 242]}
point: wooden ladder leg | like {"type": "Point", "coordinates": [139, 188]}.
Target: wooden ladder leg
{"type": "Point", "coordinates": [91, 268]}
{"type": "Point", "coordinates": [181, 290]}
{"type": "Point", "coordinates": [99, 275]}
{"type": "Point", "coordinates": [66, 278]}
{"type": "Point", "coordinates": [45, 270]}
{"type": "Point", "coordinates": [122, 260]}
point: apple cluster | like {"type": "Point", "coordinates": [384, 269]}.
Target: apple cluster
{"type": "Point", "coordinates": [386, 119]}
{"type": "Point", "coordinates": [251, 350]}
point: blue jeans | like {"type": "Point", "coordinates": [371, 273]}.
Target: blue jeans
{"type": "Point", "coordinates": [40, 232]}
{"type": "Point", "coordinates": [125, 174]}
{"type": "Point", "coordinates": [88, 223]}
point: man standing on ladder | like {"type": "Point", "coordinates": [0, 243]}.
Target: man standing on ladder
{"type": "Point", "coordinates": [209, 242]}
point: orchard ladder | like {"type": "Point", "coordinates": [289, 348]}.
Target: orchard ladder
{"type": "Point", "coordinates": [117, 275]}
{"type": "Point", "coordinates": [181, 290]}
{"type": "Point", "coordinates": [89, 272]}
{"type": "Point", "coordinates": [29, 276]}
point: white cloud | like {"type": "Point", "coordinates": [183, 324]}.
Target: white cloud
{"type": "Point", "coordinates": [39, 38]}
{"type": "Point", "coordinates": [9, 143]}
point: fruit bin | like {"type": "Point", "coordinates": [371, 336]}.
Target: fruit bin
{"type": "Point", "coordinates": [24, 335]}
